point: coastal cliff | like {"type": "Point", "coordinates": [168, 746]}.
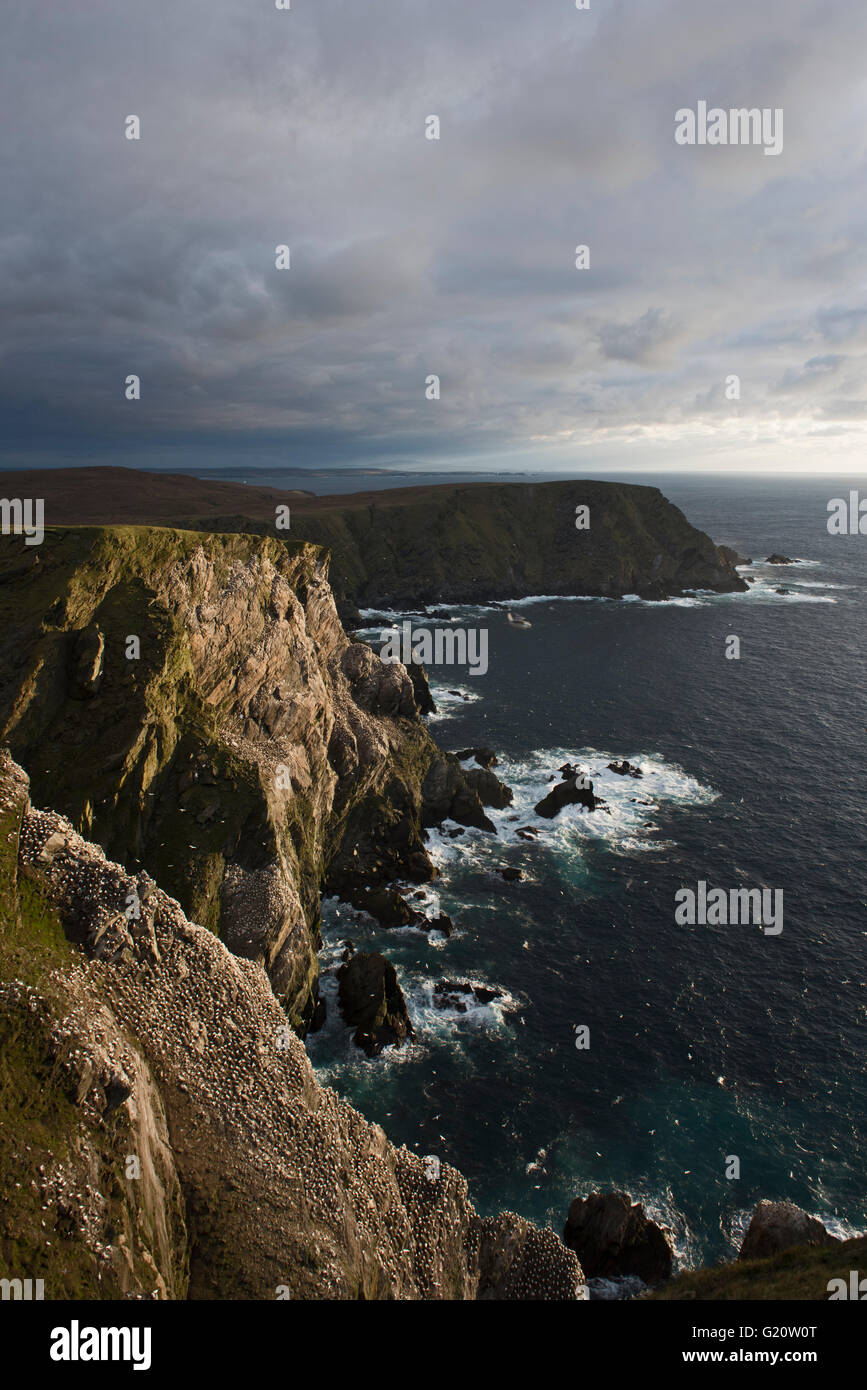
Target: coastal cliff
{"type": "Point", "coordinates": [409, 546]}
{"type": "Point", "coordinates": [162, 1130]}
{"type": "Point", "coordinates": [192, 703]}
{"type": "Point", "coordinates": [163, 1133]}
{"type": "Point", "coordinates": [495, 541]}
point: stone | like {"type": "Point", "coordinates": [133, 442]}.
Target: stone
{"type": "Point", "coordinates": [776, 1226]}
{"type": "Point", "coordinates": [577, 791]}
{"type": "Point", "coordinates": [612, 1237]}
{"type": "Point", "coordinates": [371, 1001]}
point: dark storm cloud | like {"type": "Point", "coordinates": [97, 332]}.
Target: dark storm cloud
{"type": "Point", "coordinates": [412, 257]}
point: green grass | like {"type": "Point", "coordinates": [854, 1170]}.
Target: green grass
{"type": "Point", "coordinates": [800, 1273]}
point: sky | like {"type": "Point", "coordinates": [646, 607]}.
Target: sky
{"type": "Point", "coordinates": [413, 257]}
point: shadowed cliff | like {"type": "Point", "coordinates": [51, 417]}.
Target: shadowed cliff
{"type": "Point", "coordinates": [455, 542]}
{"type": "Point", "coordinates": [193, 704]}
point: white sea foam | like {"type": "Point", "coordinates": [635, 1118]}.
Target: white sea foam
{"type": "Point", "coordinates": [451, 698]}
{"type": "Point", "coordinates": [684, 601]}
{"type": "Point", "coordinates": [819, 584]}
{"type": "Point", "coordinates": [765, 591]}
{"type": "Point", "coordinates": [627, 825]}
{"type": "Point", "coordinates": [436, 1021]}
{"type": "Point", "coordinates": [767, 579]}
{"type": "Point", "coordinates": [332, 1049]}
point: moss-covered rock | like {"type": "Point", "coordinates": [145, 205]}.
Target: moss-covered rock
{"type": "Point", "coordinates": [465, 543]}
{"type": "Point", "coordinates": [192, 703]}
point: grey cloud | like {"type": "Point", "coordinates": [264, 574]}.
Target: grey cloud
{"type": "Point", "coordinates": [642, 340]}
{"type": "Point", "coordinates": [412, 256]}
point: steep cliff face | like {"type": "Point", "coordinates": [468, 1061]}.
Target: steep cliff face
{"type": "Point", "coordinates": [193, 704]}
{"type": "Point", "coordinates": [468, 543]}
{"type": "Point", "coordinates": [91, 1201]}
{"type": "Point", "coordinates": [256, 1182]}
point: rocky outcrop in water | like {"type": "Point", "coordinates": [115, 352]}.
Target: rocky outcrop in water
{"type": "Point", "coordinates": [457, 995]}
{"type": "Point", "coordinates": [612, 1236]}
{"type": "Point", "coordinates": [485, 757]}
{"type": "Point", "coordinates": [450, 793]}
{"type": "Point", "coordinates": [372, 1002]}
{"type": "Point", "coordinates": [491, 791]}
{"type": "Point", "coordinates": [625, 769]}
{"type": "Point", "coordinates": [576, 790]}
{"type": "Point", "coordinates": [732, 557]}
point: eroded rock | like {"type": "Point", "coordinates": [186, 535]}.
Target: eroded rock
{"type": "Point", "coordinates": [776, 1226]}
{"type": "Point", "coordinates": [612, 1236]}
{"type": "Point", "coordinates": [372, 1002]}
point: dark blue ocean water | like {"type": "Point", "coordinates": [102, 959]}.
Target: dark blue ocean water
{"type": "Point", "coordinates": [705, 1041]}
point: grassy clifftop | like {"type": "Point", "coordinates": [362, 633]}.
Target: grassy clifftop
{"type": "Point", "coordinates": [506, 540]}
{"type": "Point", "coordinates": [109, 738]}
{"type": "Point", "coordinates": [413, 545]}
{"type": "Point", "coordinates": [802, 1273]}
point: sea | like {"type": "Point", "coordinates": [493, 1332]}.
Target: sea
{"type": "Point", "coordinates": [625, 1050]}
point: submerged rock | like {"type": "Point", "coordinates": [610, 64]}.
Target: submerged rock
{"type": "Point", "coordinates": [625, 769]}
{"type": "Point", "coordinates": [776, 1226]}
{"type": "Point", "coordinates": [776, 559]}
{"type": "Point", "coordinates": [612, 1236]}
